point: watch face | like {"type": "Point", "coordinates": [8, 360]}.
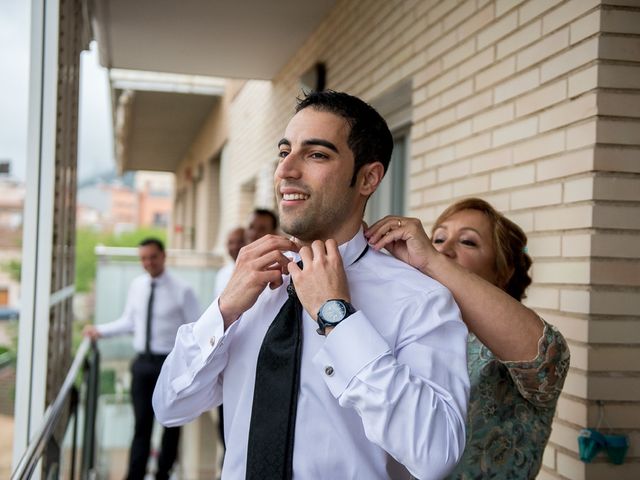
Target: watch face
{"type": "Point", "coordinates": [333, 311]}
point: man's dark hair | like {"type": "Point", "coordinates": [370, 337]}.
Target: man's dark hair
{"type": "Point", "coordinates": [369, 139]}
{"type": "Point", "coordinates": [268, 213]}
{"type": "Point", "coordinates": [152, 241]}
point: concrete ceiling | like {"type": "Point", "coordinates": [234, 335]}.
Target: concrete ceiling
{"type": "Point", "coordinates": [159, 128]}
{"type": "Point", "coordinates": [158, 115]}
{"type": "Point", "coordinates": [249, 39]}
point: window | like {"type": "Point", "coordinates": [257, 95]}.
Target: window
{"type": "Point", "coordinates": [160, 219]}
{"type": "Point", "coordinates": [390, 197]}
{"type": "Point", "coordinates": [4, 296]}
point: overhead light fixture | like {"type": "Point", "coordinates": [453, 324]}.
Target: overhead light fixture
{"type": "Point", "coordinates": [314, 79]}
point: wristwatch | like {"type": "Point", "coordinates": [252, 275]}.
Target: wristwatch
{"type": "Point", "coordinates": [332, 312]}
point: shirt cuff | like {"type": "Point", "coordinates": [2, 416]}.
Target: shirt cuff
{"type": "Point", "coordinates": [209, 330]}
{"type": "Point", "coordinates": [350, 347]}
{"type": "Point", "coordinates": [209, 337]}
{"type": "Point", "coordinates": [108, 330]}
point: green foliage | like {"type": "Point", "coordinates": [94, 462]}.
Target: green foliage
{"type": "Point", "coordinates": [8, 352]}
{"type": "Point", "coordinates": [76, 335]}
{"type": "Point", "coordinates": [6, 358]}
{"type": "Point", "coordinates": [107, 382]}
{"type": "Point", "coordinates": [5, 355]}
{"type": "Point", "coordinates": [13, 268]}
{"type": "Point", "coordinates": [86, 241]}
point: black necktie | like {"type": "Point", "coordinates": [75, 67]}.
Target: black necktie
{"type": "Point", "coordinates": [147, 340]}
{"type": "Point", "coordinates": [275, 398]}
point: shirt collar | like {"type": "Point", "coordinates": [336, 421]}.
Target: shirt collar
{"type": "Point", "coordinates": [353, 249]}
{"type": "Point", "coordinates": [159, 279]}
{"type": "Point", "coordinates": [350, 251]}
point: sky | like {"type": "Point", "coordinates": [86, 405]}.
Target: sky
{"type": "Point", "coordinates": [95, 142]}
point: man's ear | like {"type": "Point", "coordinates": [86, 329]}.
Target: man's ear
{"type": "Point", "coordinates": [369, 177]}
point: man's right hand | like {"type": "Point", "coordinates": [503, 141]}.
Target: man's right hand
{"type": "Point", "coordinates": [259, 264]}
{"type": "Point", "coordinates": [91, 331]}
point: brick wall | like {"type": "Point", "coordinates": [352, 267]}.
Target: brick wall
{"type": "Point", "coordinates": [533, 105]}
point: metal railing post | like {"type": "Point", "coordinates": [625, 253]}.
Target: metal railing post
{"type": "Point", "coordinates": [91, 408]}
{"type": "Point", "coordinates": [74, 440]}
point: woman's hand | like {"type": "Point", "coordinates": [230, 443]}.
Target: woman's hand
{"type": "Point", "coordinates": [506, 326]}
{"type": "Point", "coordinates": [404, 238]}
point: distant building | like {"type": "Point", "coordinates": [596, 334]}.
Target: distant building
{"type": "Point", "coordinates": [154, 208]}
{"type": "Point", "coordinates": [12, 194]}
{"type": "Point", "coordinates": [114, 206]}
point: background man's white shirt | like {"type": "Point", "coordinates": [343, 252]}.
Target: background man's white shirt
{"type": "Point", "coordinates": [174, 304]}
{"type": "Point", "coordinates": [222, 278]}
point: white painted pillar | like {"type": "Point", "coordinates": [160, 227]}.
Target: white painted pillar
{"type": "Point", "coordinates": [38, 225]}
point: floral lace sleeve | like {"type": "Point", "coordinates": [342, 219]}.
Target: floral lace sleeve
{"type": "Point", "coordinates": [540, 380]}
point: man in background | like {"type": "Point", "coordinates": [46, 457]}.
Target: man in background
{"type": "Point", "coordinates": [262, 222]}
{"type": "Point", "coordinates": [235, 241]}
{"type": "Point", "coordinates": [157, 304]}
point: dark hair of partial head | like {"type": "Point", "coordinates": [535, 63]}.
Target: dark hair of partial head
{"type": "Point", "coordinates": [369, 138]}
{"type": "Point", "coordinates": [268, 213]}
{"type": "Point", "coordinates": [509, 242]}
{"type": "Point", "coordinates": [152, 241]}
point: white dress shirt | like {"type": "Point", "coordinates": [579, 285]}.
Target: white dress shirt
{"type": "Point", "coordinates": [386, 389]}
{"type": "Point", "coordinates": [174, 304]}
{"type": "Point", "coordinates": [222, 278]}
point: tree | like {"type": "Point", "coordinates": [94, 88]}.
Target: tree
{"type": "Point", "coordinates": [86, 242]}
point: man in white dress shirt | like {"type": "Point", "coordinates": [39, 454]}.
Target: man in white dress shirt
{"type": "Point", "coordinates": [157, 304]}
{"type": "Point", "coordinates": [383, 389]}
{"type": "Point", "coordinates": [235, 241]}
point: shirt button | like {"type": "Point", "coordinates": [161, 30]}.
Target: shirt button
{"type": "Point", "coordinates": [328, 371]}
{"type": "Point", "coordinates": [212, 341]}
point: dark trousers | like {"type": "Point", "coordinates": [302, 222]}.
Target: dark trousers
{"type": "Point", "coordinates": [145, 371]}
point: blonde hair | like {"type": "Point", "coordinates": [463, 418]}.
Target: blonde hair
{"type": "Point", "coordinates": [509, 241]}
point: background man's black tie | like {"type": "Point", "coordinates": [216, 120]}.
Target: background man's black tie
{"type": "Point", "coordinates": [147, 340]}
{"type": "Point", "coordinates": [273, 415]}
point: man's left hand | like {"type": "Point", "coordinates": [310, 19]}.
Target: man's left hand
{"type": "Point", "coordinates": [323, 277]}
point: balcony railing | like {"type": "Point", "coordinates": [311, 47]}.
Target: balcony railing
{"type": "Point", "coordinates": [44, 443]}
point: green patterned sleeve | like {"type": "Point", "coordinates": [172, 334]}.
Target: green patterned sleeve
{"type": "Point", "coordinates": [540, 380]}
